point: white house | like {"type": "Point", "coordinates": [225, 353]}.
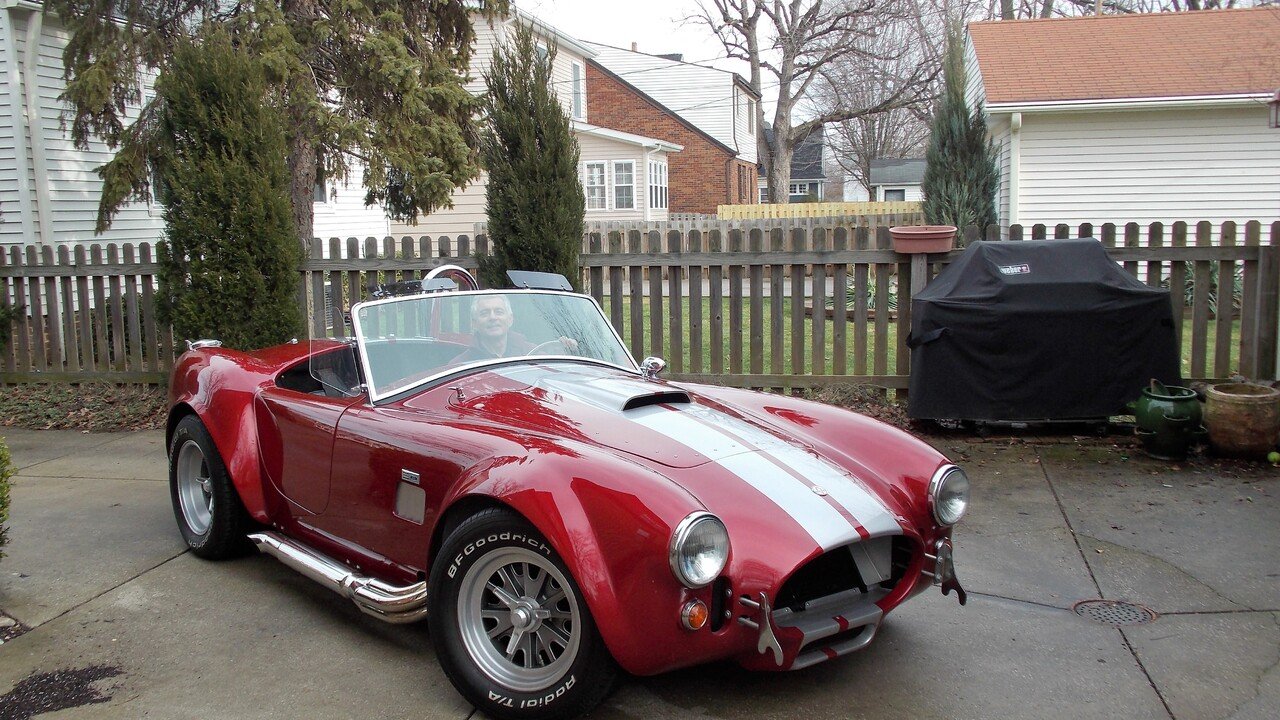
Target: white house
{"type": "Point", "coordinates": [48, 188]}
{"type": "Point", "coordinates": [623, 175]}
{"type": "Point", "coordinates": [1132, 118]}
{"type": "Point", "coordinates": [897, 179]}
{"type": "Point", "coordinates": [718, 102]}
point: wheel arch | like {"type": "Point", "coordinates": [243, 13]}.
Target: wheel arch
{"type": "Point", "coordinates": [613, 544]}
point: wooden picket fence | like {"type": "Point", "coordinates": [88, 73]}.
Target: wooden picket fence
{"type": "Point", "coordinates": [752, 306]}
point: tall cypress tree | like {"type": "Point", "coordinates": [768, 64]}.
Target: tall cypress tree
{"type": "Point", "coordinates": [230, 267]}
{"type": "Point", "coordinates": [535, 202]}
{"type": "Point", "coordinates": [961, 177]}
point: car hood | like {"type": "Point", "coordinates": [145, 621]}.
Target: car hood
{"type": "Point", "coordinates": [716, 452]}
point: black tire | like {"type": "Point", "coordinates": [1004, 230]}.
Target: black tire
{"type": "Point", "coordinates": [564, 678]}
{"type": "Point", "coordinates": [218, 531]}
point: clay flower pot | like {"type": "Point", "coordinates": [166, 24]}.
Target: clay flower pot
{"type": "Point", "coordinates": [1243, 419]}
{"type": "Point", "coordinates": [923, 238]}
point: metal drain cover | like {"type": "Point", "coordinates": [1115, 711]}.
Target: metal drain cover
{"type": "Point", "coordinates": [1114, 612]}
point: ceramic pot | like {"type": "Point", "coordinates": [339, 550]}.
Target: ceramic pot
{"type": "Point", "coordinates": [1243, 419]}
{"type": "Point", "coordinates": [1161, 401]}
{"type": "Point", "coordinates": [911, 239]}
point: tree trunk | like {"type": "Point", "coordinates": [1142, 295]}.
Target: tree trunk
{"type": "Point", "coordinates": [780, 173]}
{"type": "Point", "coordinates": [302, 183]}
{"type": "Point", "coordinates": [1006, 9]}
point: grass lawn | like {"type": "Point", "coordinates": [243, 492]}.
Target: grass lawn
{"type": "Point", "coordinates": [888, 363]}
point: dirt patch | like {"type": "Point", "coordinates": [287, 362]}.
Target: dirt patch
{"type": "Point", "coordinates": [58, 690]}
{"type": "Point", "coordinates": [867, 400]}
{"type": "Point", "coordinates": [101, 407]}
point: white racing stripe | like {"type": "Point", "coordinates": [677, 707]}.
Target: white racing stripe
{"type": "Point", "coordinates": [699, 428]}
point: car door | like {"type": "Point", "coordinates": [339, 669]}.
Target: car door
{"type": "Point", "coordinates": [295, 432]}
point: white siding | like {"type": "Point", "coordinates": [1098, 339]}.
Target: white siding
{"type": "Point", "coordinates": [492, 35]}
{"type": "Point", "coordinates": [600, 149]}
{"type": "Point", "coordinates": [702, 95]}
{"type": "Point", "coordinates": [1146, 166]}
{"type": "Point", "coordinates": [913, 193]}
{"type": "Point", "coordinates": [344, 213]}
{"type": "Point", "coordinates": [10, 100]}
{"type": "Point", "coordinates": [974, 91]}
{"type": "Point", "coordinates": [74, 186]}
{"type": "Point", "coordinates": [461, 219]}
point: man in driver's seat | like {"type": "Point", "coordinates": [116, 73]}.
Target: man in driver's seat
{"type": "Point", "coordinates": [491, 333]}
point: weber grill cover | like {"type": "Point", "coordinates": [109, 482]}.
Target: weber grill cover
{"type": "Point", "coordinates": [1037, 330]}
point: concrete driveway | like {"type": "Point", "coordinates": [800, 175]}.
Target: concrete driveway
{"type": "Point", "coordinates": [124, 624]}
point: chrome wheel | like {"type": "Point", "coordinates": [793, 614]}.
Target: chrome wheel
{"type": "Point", "coordinates": [519, 619]}
{"type": "Point", "coordinates": [195, 489]}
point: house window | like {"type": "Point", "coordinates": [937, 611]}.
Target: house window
{"type": "Point", "coordinates": [764, 194]}
{"type": "Point", "coordinates": [624, 182]}
{"type": "Point", "coordinates": [543, 52]}
{"type": "Point", "coordinates": [898, 195]}
{"type": "Point", "coordinates": [658, 185]}
{"type": "Point", "coordinates": [319, 193]}
{"type": "Point", "coordinates": [593, 184]}
{"type": "Point", "coordinates": [805, 191]}
{"type": "Point", "coordinates": [579, 94]}
{"type": "Point", "coordinates": [751, 116]}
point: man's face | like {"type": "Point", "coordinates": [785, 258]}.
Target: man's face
{"type": "Point", "coordinates": [490, 318]}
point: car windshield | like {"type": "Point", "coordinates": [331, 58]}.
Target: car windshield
{"type": "Point", "coordinates": [408, 341]}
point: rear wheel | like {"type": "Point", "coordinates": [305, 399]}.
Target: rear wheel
{"type": "Point", "coordinates": [210, 515]}
{"type": "Point", "coordinates": [510, 625]}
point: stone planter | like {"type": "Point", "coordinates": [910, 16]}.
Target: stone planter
{"type": "Point", "coordinates": [1243, 419]}
{"type": "Point", "coordinates": [915, 239]}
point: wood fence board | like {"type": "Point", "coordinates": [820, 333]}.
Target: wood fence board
{"type": "Point", "coordinates": [85, 314]}
{"type": "Point", "coordinates": [1178, 281]}
{"type": "Point", "coordinates": [615, 286]}
{"type": "Point", "coordinates": [777, 355]}
{"type": "Point", "coordinates": [756, 293]}
{"type": "Point", "coordinates": [52, 312]}
{"type": "Point", "coordinates": [715, 311]}
{"type": "Point", "coordinates": [657, 318]}
{"type": "Point", "coordinates": [11, 307]}
{"type": "Point", "coordinates": [860, 308]}
{"type": "Point", "coordinates": [880, 366]}
{"type": "Point", "coordinates": [70, 334]}
{"type": "Point", "coordinates": [1200, 304]}
{"type": "Point", "coordinates": [132, 312]}
{"type": "Point", "coordinates": [818, 316]}
{"type": "Point", "coordinates": [635, 285]}
{"type": "Point", "coordinates": [1224, 311]}
{"type": "Point", "coordinates": [150, 333]}
{"type": "Point", "coordinates": [675, 305]}
{"type": "Point", "coordinates": [736, 247]}
{"type": "Point", "coordinates": [695, 304]}
{"type": "Point", "coordinates": [797, 298]}
{"type": "Point", "coordinates": [1248, 303]}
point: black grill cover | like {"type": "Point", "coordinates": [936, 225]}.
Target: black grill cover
{"type": "Point", "coordinates": [1037, 330]}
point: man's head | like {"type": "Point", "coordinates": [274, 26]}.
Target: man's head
{"type": "Point", "coordinates": [491, 317]}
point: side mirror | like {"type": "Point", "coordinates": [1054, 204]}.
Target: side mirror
{"type": "Point", "coordinates": [651, 366]}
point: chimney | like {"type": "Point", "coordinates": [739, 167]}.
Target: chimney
{"type": "Point", "coordinates": [635, 46]}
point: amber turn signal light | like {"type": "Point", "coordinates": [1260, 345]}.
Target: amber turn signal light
{"type": "Point", "coordinates": [694, 615]}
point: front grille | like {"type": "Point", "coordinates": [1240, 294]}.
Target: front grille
{"type": "Point", "coordinates": [836, 571]}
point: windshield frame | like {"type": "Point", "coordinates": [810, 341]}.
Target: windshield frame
{"type": "Point", "coordinates": [467, 368]}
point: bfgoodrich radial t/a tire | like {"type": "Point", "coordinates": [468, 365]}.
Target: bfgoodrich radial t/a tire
{"type": "Point", "coordinates": [510, 626]}
{"type": "Point", "coordinates": [209, 512]}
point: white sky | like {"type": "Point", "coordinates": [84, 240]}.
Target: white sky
{"type": "Point", "coordinates": [654, 24]}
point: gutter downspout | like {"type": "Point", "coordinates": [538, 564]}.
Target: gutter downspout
{"type": "Point", "coordinates": [44, 200]}
{"type": "Point", "coordinates": [16, 111]}
{"type": "Point", "coordinates": [1015, 161]}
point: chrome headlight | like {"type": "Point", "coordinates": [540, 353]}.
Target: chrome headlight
{"type": "Point", "coordinates": [949, 495]}
{"type": "Point", "coordinates": [699, 549]}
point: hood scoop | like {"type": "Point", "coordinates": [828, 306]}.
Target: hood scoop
{"type": "Point", "coordinates": [616, 394]}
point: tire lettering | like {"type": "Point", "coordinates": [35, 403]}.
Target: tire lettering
{"type": "Point", "coordinates": [500, 699]}
{"type": "Point", "coordinates": [548, 698]}
{"type": "Point", "coordinates": [519, 539]}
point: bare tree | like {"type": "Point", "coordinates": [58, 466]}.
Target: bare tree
{"type": "Point", "coordinates": [793, 42]}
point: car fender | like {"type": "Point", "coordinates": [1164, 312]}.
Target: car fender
{"type": "Point", "coordinates": [611, 527]}
{"type": "Point", "coordinates": [198, 377]}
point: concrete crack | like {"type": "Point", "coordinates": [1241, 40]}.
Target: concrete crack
{"type": "Point", "coordinates": [77, 606]}
{"type": "Point", "coordinates": [1088, 568]}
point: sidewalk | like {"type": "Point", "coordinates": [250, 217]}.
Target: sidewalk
{"type": "Point", "coordinates": [97, 571]}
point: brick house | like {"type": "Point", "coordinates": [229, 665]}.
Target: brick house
{"type": "Point", "coordinates": [709, 171]}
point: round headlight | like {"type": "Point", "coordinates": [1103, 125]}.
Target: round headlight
{"type": "Point", "coordinates": [699, 549]}
{"type": "Point", "coordinates": [949, 495]}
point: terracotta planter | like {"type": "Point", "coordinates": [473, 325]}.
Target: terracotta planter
{"type": "Point", "coordinates": [1243, 419]}
{"type": "Point", "coordinates": [923, 238]}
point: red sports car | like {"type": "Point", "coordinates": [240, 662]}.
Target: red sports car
{"type": "Point", "coordinates": [496, 463]}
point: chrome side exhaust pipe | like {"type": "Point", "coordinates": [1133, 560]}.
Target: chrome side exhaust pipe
{"type": "Point", "coordinates": [389, 603]}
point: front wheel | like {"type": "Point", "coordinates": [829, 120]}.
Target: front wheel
{"type": "Point", "coordinates": [510, 625]}
{"type": "Point", "coordinates": [208, 509]}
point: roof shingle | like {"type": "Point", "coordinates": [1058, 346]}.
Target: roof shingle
{"type": "Point", "coordinates": [1206, 53]}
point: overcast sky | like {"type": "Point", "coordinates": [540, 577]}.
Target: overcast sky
{"type": "Point", "coordinates": [654, 24]}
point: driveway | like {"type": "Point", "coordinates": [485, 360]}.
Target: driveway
{"type": "Point", "coordinates": [124, 624]}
